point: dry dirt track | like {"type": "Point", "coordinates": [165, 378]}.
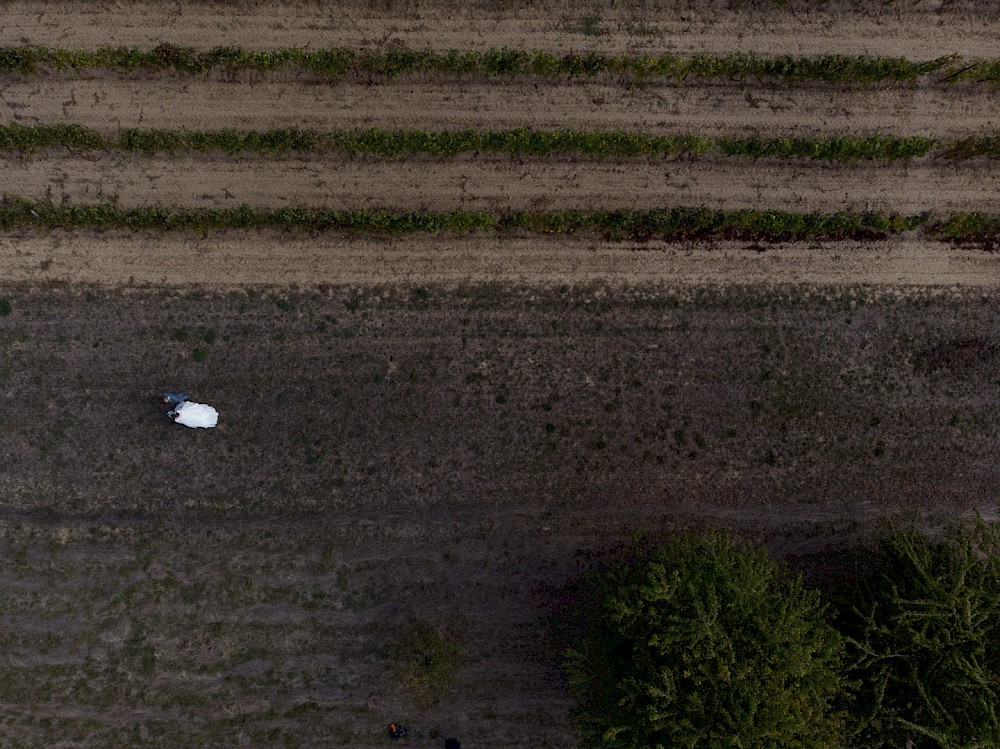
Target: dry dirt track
{"type": "Point", "coordinates": [504, 183]}
{"type": "Point", "coordinates": [715, 109]}
{"type": "Point", "coordinates": [923, 30]}
{"type": "Point", "coordinates": [228, 261]}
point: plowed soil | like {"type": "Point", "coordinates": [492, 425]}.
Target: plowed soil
{"type": "Point", "coordinates": [232, 260]}
{"type": "Point", "coordinates": [924, 30]}
{"type": "Point", "coordinates": [715, 109]}
{"type": "Point", "coordinates": [504, 183]}
{"type": "Point", "coordinates": [425, 439]}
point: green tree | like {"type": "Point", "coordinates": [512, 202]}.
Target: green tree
{"type": "Point", "coordinates": [928, 644]}
{"type": "Point", "coordinates": [708, 643]}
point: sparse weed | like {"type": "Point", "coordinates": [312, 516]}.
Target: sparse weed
{"type": "Point", "coordinates": [966, 227]}
{"type": "Point", "coordinates": [833, 149]}
{"type": "Point", "coordinates": [672, 224]}
{"type": "Point", "coordinates": [428, 656]}
{"type": "Point", "coordinates": [516, 142]}
{"type": "Point", "coordinates": [336, 62]}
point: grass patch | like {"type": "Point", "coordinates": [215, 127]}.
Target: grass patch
{"type": "Point", "coordinates": [831, 149]}
{"type": "Point", "coordinates": [970, 148]}
{"type": "Point", "coordinates": [683, 223]}
{"type": "Point", "coordinates": [22, 212]}
{"type": "Point", "coordinates": [520, 142]}
{"type": "Point", "coordinates": [35, 138]}
{"type": "Point", "coordinates": [336, 62]}
{"type": "Point", "coordinates": [517, 142]}
{"type": "Point", "coordinates": [230, 141]}
{"type": "Point", "coordinates": [679, 223]}
{"type": "Point", "coordinates": [428, 658]}
{"type": "Point", "coordinates": [980, 229]}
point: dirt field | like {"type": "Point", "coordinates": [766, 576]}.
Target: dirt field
{"type": "Point", "coordinates": [425, 439]}
{"type": "Point", "coordinates": [393, 458]}
{"type": "Point", "coordinates": [226, 261]}
{"type": "Point", "coordinates": [719, 109]}
{"type": "Point", "coordinates": [921, 30]}
{"type": "Point", "coordinates": [486, 183]}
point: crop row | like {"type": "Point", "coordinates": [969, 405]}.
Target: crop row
{"type": "Point", "coordinates": [678, 223]}
{"type": "Point", "coordinates": [519, 142]}
{"type": "Point", "coordinates": [336, 62]}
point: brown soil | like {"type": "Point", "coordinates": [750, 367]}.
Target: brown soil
{"type": "Point", "coordinates": [918, 30]}
{"type": "Point", "coordinates": [485, 183]}
{"type": "Point", "coordinates": [396, 458]}
{"type": "Point", "coordinates": [726, 109]}
{"type": "Point", "coordinates": [232, 260]}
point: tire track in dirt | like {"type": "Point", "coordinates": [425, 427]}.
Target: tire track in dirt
{"type": "Point", "coordinates": [229, 260]}
{"type": "Point", "coordinates": [502, 183]}
{"type": "Point", "coordinates": [724, 109]}
{"type": "Point", "coordinates": [915, 32]}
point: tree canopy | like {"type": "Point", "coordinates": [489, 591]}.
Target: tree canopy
{"type": "Point", "coordinates": [708, 643]}
{"type": "Point", "coordinates": [928, 665]}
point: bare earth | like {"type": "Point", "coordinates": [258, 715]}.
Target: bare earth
{"type": "Point", "coordinates": [486, 183]}
{"type": "Point", "coordinates": [426, 439]}
{"type": "Point", "coordinates": [232, 260]}
{"type": "Point", "coordinates": [925, 30]}
{"type": "Point", "coordinates": [719, 109]}
{"type": "Point", "coordinates": [401, 459]}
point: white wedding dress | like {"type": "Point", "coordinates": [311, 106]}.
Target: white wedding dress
{"type": "Point", "coordinates": [196, 415]}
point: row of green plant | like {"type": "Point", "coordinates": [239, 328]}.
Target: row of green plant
{"type": "Point", "coordinates": [678, 223]}
{"type": "Point", "coordinates": [670, 223]}
{"type": "Point", "coordinates": [708, 643]}
{"type": "Point", "coordinates": [336, 62]}
{"type": "Point", "coordinates": [518, 142]}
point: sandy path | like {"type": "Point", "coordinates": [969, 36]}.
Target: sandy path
{"type": "Point", "coordinates": [724, 109]}
{"type": "Point", "coordinates": [916, 32]}
{"type": "Point", "coordinates": [229, 260]}
{"type": "Point", "coordinates": [501, 183]}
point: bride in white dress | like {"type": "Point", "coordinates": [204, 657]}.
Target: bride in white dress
{"type": "Point", "coordinates": [194, 415]}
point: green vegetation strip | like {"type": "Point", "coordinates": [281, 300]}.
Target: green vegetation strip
{"type": "Point", "coordinates": [336, 62]}
{"type": "Point", "coordinates": [679, 223]}
{"type": "Point", "coordinates": [519, 142]}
